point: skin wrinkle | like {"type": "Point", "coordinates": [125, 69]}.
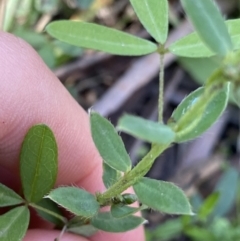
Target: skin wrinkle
{"type": "Point", "coordinates": [21, 71]}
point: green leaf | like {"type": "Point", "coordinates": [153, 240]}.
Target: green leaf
{"type": "Point", "coordinates": [110, 175]}
{"type": "Point", "coordinates": [162, 196]}
{"type": "Point", "coordinates": [154, 17]}
{"type": "Point", "coordinates": [83, 230]}
{"type": "Point", "coordinates": [206, 119]}
{"type": "Point", "coordinates": [208, 206]}
{"type": "Point", "coordinates": [38, 162]}
{"type": "Point", "coordinates": [109, 143]}
{"type": "Point", "coordinates": [168, 230]}
{"type": "Point", "coordinates": [47, 54]}
{"type": "Point", "coordinates": [53, 207]}
{"type": "Point", "coordinates": [227, 188]}
{"type": "Point", "coordinates": [35, 39]}
{"type": "Point", "coordinates": [106, 222]}
{"type": "Point", "coordinates": [120, 211]}
{"type": "Point", "coordinates": [234, 31]}
{"type": "Point", "coordinates": [8, 197]}
{"type": "Point", "coordinates": [199, 234]}
{"type": "Point", "coordinates": [209, 25]}
{"type": "Point", "coordinates": [14, 224]}
{"type": "Point", "coordinates": [192, 46]}
{"type": "Point", "coordinates": [146, 130]}
{"type": "Point", "coordinates": [75, 200]}
{"type": "Point", "coordinates": [89, 35]}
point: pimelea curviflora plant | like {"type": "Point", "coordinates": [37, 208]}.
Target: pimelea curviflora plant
{"type": "Point", "coordinates": [195, 114]}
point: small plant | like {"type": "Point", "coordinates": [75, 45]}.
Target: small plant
{"type": "Point", "coordinates": [195, 114]}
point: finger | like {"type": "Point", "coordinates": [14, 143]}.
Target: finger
{"type": "Point", "coordinates": [50, 235]}
{"type": "Point", "coordinates": [31, 94]}
{"type": "Point", "coordinates": [136, 234]}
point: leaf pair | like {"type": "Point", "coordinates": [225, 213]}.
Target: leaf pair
{"type": "Point", "coordinates": [85, 206]}
{"type": "Point", "coordinates": [14, 224]}
{"type": "Point", "coordinates": [209, 24]}
{"type": "Point", "coordinates": [146, 130]}
{"type": "Point", "coordinates": [111, 147]}
{"type": "Point", "coordinates": [9, 222]}
{"type": "Point", "coordinates": [193, 46]}
{"type": "Point", "coordinates": [212, 36]}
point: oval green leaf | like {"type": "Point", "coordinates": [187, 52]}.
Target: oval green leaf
{"type": "Point", "coordinates": [93, 36]}
{"type": "Point", "coordinates": [14, 224]}
{"type": "Point", "coordinates": [75, 200]}
{"type": "Point", "coordinates": [109, 143]}
{"type": "Point", "coordinates": [154, 17]}
{"type": "Point", "coordinates": [162, 196]}
{"type": "Point", "coordinates": [110, 175]}
{"type": "Point", "coordinates": [192, 45]}
{"type": "Point", "coordinates": [106, 222]}
{"type": "Point", "coordinates": [209, 25]}
{"type": "Point", "coordinates": [38, 162]}
{"type": "Point", "coordinates": [206, 119]}
{"type": "Point", "coordinates": [120, 211]}
{"type": "Point", "coordinates": [8, 197]}
{"type": "Point", "coordinates": [146, 130]}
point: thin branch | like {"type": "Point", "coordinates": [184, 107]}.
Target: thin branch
{"type": "Point", "coordinates": [161, 89]}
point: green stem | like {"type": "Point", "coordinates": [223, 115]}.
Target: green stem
{"type": "Point", "coordinates": [161, 89]}
{"type": "Point", "coordinates": [63, 219]}
{"type": "Point", "coordinates": [130, 178]}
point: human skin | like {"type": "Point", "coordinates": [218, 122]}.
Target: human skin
{"type": "Point", "coordinates": [31, 94]}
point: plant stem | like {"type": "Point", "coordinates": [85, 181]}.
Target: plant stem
{"type": "Point", "coordinates": [61, 234]}
{"type": "Point", "coordinates": [130, 178]}
{"type": "Point", "coordinates": [63, 219]}
{"type": "Point", "coordinates": [161, 89]}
